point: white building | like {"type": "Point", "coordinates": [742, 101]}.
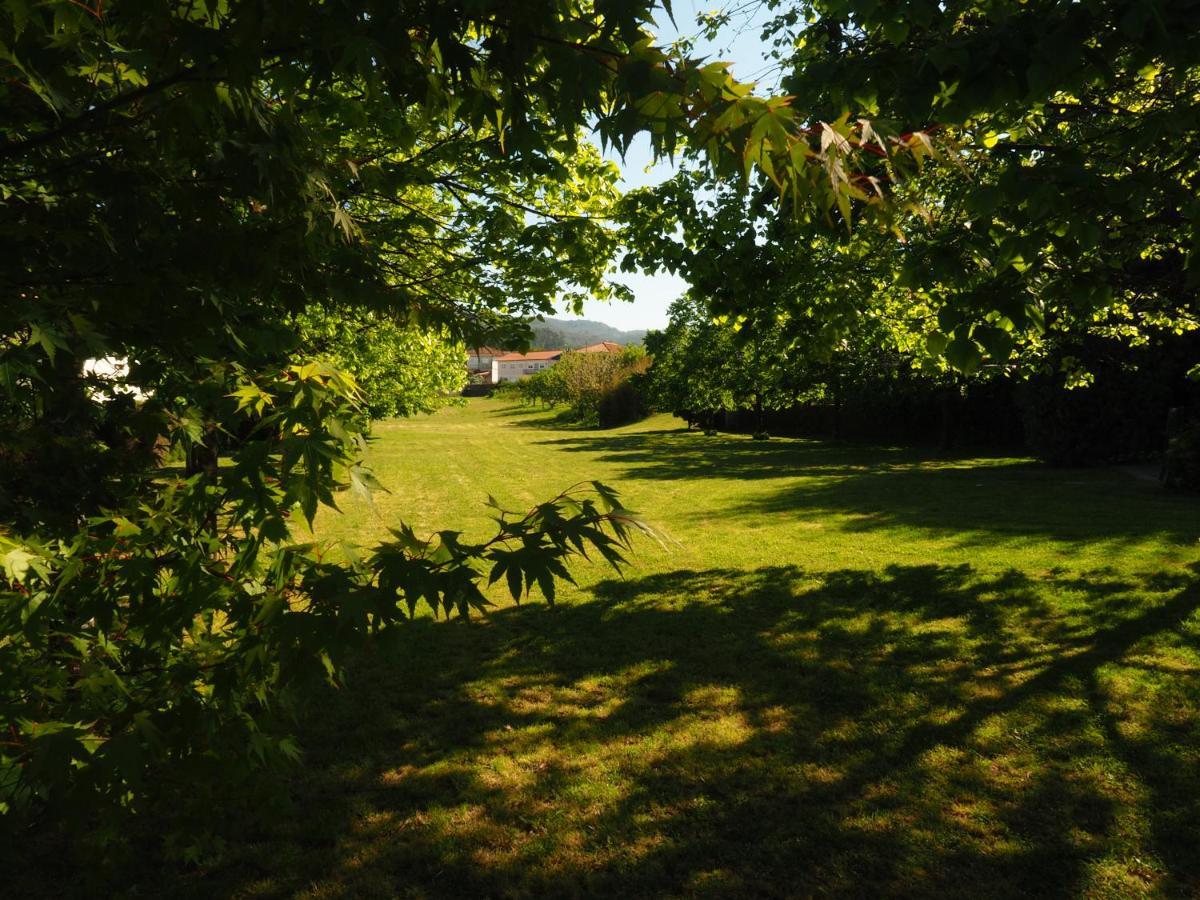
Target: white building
{"type": "Point", "coordinates": [111, 372]}
{"type": "Point", "coordinates": [479, 362]}
{"type": "Point", "coordinates": [515, 366]}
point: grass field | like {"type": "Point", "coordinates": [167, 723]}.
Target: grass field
{"type": "Point", "coordinates": [852, 671]}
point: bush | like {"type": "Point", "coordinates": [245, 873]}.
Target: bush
{"type": "Point", "coordinates": [587, 381]}
{"type": "Point", "coordinates": [622, 403]}
{"type": "Point", "coordinates": [547, 387]}
{"type": "Point", "coordinates": [1181, 464]}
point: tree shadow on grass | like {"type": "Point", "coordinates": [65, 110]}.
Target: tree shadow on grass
{"type": "Point", "coordinates": [972, 505]}
{"type": "Point", "coordinates": [556, 419]}
{"type": "Point", "coordinates": [860, 488]}
{"type": "Point", "coordinates": [680, 455]}
{"type": "Point", "coordinates": [925, 731]}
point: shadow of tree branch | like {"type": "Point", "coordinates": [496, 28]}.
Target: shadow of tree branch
{"type": "Point", "coordinates": [926, 730]}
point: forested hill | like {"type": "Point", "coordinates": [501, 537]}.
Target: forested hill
{"type": "Point", "coordinates": [569, 333]}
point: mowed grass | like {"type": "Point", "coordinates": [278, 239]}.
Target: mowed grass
{"type": "Point", "coordinates": [852, 671]}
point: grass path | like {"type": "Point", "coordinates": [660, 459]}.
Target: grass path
{"type": "Point", "coordinates": [860, 672]}
{"type": "Point", "coordinates": [730, 501]}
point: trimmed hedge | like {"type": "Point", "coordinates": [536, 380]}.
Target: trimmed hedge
{"type": "Point", "coordinates": [1121, 417]}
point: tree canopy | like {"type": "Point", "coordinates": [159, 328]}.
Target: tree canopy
{"type": "Point", "coordinates": [1064, 205]}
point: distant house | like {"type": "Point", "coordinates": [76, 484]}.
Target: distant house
{"type": "Point", "coordinates": [602, 347]}
{"type": "Point", "coordinates": [479, 359]}
{"type": "Point", "coordinates": [515, 366]}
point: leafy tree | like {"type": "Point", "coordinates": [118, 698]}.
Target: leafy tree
{"type": "Point", "coordinates": [402, 370]}
{"type": "Point", "coordinates": [547, 387]}
{"type": "Point", "coordinates": [583, 380]}
{"type": "Point", "coordinates": [688, 359]}
{"type": "Point", "coordinates": [1063, 209]}
{"type": "Point", "coordinates": [587, 377]}
{"type": "Point", "coordinates": [1075, 207]}
{"type": "Point", "coordinates": [705, 364]}
{"type": "Point", "coordinates": [180, 182]}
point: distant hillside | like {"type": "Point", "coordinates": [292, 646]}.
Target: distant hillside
{"type": "Point", "coordinates": [570, 333]}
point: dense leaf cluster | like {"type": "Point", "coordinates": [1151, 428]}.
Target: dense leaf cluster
{"type": "Point", "coordinates": [707, 363]}
{"type": "Point", "coordinates": [1066, 209]}
{"type": "Point", "coordinates": [202, 197]}
{"type": "Point", "coordinates": [198, 198]}
{"type": "Point", "coordinates": [407, 370]}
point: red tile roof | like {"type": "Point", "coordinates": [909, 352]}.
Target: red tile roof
{"type": "Point", "coordinates": [602, 347]}
{"type": "Point", "coordinates": [532, 354]}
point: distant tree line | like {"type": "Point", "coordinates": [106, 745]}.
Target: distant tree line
{"type": "Point", "coordinates": [570, 334]}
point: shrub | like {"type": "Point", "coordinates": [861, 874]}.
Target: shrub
{"type": "Point", "coordinates": [1181, 464]}
{"type": "Point", "coordinates": [547, 387]}
{"type": "Point", "coordinates": [586, 381]}
{"type": "Point", "coordinates": [622, 403]}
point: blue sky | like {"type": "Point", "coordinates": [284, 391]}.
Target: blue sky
{"type": "Point", "coordinates": [743, 48]}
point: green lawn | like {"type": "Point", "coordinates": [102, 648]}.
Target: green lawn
{"type": "Point", "coordinates": [852, 671]}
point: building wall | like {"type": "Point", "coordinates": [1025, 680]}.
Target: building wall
{"type": "Point", "coordinates": [518, 369]}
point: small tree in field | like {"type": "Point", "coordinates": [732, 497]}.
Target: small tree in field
{"type": "Point", "coordinates": [547, 387]}
{"type": "Point", "coordinates": [589, 376]}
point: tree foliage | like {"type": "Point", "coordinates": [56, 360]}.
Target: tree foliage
{"type": "Point", "coordinates": [1067, 208]}
{"type": "Point", "coordinates": [706, 363]}
{"type": "Point", "coordinates": [402, 369]}
{"type": "Point", "coordinates": [582, 381]}
{"type": "Point", "coordinates": [182, 183]}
